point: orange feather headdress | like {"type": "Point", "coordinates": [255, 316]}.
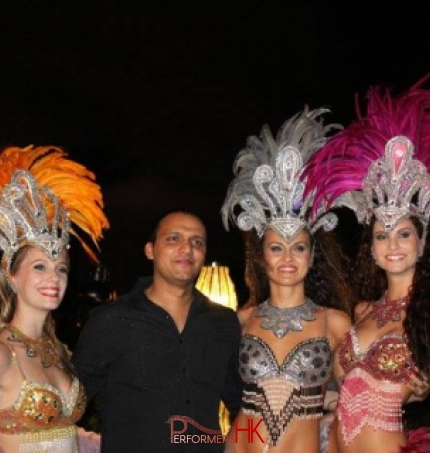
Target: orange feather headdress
{"type": "Point", "coordinates": [44, 197]}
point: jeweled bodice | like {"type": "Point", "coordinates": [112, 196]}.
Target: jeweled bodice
{"type": "Point", "coordinates": [42, 406]}
{"type": "Point", "coordinates": [371, 390]}
{"type": "Point", "coordinates": [282, 392]}
{"type": "Point", "coordinates": [308, 364]}
{"type": "Point", "coordinates": [387, 358]}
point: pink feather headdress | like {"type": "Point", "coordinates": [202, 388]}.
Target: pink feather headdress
{"type": "Point", "coordinates": [379, 165]}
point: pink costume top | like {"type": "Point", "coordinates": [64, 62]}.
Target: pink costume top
{"type": "Point", "coordinates": [42, 417]}
{"type": "Point", "coordinates": [370, 393]}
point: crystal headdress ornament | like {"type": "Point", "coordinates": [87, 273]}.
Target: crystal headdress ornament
{"type": "Point", "coordinates": [379, 165]}
{"type": "Point", "coordinates": [268, 187]}
{"type": "Point", "coordinates": [44, 198]}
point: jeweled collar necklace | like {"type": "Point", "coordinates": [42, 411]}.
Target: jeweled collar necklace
{"type": "Point", "coordinates": [43, 347]}
{"type": "Point", "coordinates": [385, 310]}
{"type": "Point", "coordinates": [283, 320]}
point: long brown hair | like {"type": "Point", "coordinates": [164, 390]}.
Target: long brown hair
{"type": "Point", "coordinates": [326, 282]}
{"type": "Point", "coordinates": [370, 282]}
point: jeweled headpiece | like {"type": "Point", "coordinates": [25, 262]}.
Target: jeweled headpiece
{"type": "Point", "coordinates": [379, 165]}
{"type": "Point", "coordinates": [268, 187]}
{"type": "Point", "coordinates": [44, 198]}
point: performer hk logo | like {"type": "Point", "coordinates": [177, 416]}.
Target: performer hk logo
{"type": "Point", "coordinates": [179, 426]}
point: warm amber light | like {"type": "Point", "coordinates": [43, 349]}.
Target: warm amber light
{"type": "Point", "coordinates": [215, 282]}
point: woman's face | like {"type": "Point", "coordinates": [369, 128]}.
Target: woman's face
{"type": "Point", "coordinates": [398, 250]}
{"type": "Point", "coordinates": [39, 282]}
{"type": "Point", "coordinates": [286, 263]}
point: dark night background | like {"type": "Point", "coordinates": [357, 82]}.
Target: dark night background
{"type": "Point", "coordinates": [157, 98]}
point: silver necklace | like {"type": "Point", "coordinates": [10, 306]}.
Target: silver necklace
{"type": "Point", "coordinates": [281, 320]}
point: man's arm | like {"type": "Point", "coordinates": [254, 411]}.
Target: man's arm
{"type": "Point", "coordinates": [94, 351]}
{"type": "Point", "coordinates": [232, 393]}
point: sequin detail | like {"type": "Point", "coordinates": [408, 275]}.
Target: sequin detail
{"type": "Point", "coordinates": [41, 407]}
{"type": "Point", "coordinates": [385, 310]}
{"type": "Point", "coordinates": [371, 389]}
{"type": "Point", "coordinates": [283, 320]}
{"type": "Point", "coordinates": [43, 347]}
{"type": "Point", "coordinates": [291, 390]}
{"type": "Point", "coordinates": [58, 440]}
{"type": "Point", "coordinates": [364, 400]}
{"type": "Point", "coordinates": [386, 358]}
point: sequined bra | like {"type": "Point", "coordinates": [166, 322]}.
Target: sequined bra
{"type": "Point", "coordinates": [371, 387]}
{"type": "Point", "coordinates": [42, 407]}
{"type": "Point", "coordinates": [307, 365]}
{"type": "Point", "coordinates": [387, 358]}
{"type": "Point", "coordinates": [282, 392]}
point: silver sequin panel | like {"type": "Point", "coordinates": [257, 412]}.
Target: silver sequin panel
{"type": "Point", "coordinates": [308, 363]}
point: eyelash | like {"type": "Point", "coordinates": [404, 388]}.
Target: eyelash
{"type": "Point", "coordinates": [275, 248]}
{"type": "Point", "coordinates": [400, 235]}
{"type": "Point", "coordinates": [42, 267]}
{"type": "Point", "coordinates": [198, 243]}
{"type": "Point", "coordinates": [297, 248]}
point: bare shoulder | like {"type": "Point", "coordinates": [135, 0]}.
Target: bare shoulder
{"type": "Point", "coordinates": [338, 317]}
{"type": "Point", "coordinates": [361, 308]}
{"type": "Point", "coordinates": [243, 314]}
{"type": "Point", "coordinates": [339, 323]}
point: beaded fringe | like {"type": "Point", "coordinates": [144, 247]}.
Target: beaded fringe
{"type": "Point", "coordinates": [365, 400]}
{"type": "Point", "coordinates": [278, 402]}
{"type": "Point", "coordinates": [58, 440]}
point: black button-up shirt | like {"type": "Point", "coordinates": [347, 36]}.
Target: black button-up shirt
{"type": "Point", "coordinates": [131, 353]}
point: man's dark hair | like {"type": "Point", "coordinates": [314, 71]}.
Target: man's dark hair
{"type": "Point", "coordinates": [183, 210]}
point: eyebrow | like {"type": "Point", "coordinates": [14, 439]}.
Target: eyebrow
{"type": "Point", "coordinates": [401, 230]}
{"type": "Point", "coordinates": [197, 236]}
{"type": "Point", "coordinates": [183, 233]}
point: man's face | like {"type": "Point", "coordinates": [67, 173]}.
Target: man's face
{"type": "Point", "coordinates": [179, 250]}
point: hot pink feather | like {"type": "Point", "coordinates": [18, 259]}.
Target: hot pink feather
{"type": "Point", "coordinates": [340, 166]}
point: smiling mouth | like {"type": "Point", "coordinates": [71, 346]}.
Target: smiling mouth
{"type": "Point", "coordinates": [395, 257]}
{"type": "Point", "coordinates": [50, 293]}
{"type": "Point", "coordinates": [288, 269]}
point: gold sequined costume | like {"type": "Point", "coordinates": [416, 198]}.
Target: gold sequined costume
{"type": "Point", "coordinates": [44, 418]}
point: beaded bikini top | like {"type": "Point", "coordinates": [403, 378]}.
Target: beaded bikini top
{"type": "Point", "coordinates": [370, 393]}
{"type": "Point", "coordinates": [280, 393]}
{"type": "Point", "coordinates": [308, 364]}
{"type": "Point", "coordinates": [387, 358]}
{"type": "Point", "coordinates": [41, 406]}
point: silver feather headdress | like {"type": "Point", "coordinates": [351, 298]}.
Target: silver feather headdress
{"type": "Point", "coordinates": [44, 198]}
{"type": "Point", "coordinates": [23, 218]}
{"type": "Point", "coordinates": [393, 182]}
{"type": "Point", "coordinates": [268, 187]}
